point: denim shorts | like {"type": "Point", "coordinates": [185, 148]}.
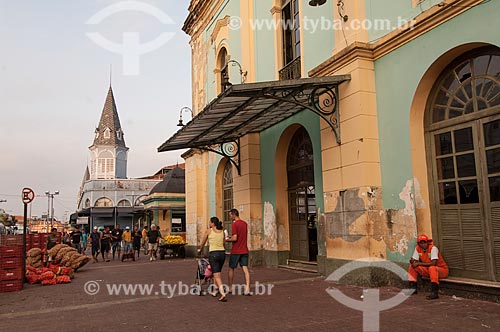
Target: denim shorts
{"type": "Point", "coordinates": [234, 259]}
{"type": "Point", "coordinates": [217, 259]}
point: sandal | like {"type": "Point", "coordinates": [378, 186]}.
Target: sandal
{"type": "Point", "coordinates": [223, 299]}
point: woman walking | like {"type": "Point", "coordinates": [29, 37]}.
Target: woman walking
{"type": "Point", "coordinates": [217, 253]}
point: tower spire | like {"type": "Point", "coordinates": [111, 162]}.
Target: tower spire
{"type": "Point", "coordinates": [109, 131]}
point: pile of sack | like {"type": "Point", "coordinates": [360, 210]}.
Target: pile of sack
{"type": "Point", "coordinates": [54, 274]}
{"type": "Point", "coordinates": [34, 257]}
{"type": "Point", "coordinates": [66, 256]}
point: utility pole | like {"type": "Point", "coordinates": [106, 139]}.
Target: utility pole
{"type": "Point", "coordinates": [50, 211]}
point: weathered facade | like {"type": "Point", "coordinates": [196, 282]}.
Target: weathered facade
{"type": "Point", "coordinates": [414, 148]}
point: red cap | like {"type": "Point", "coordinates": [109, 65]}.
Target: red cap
{"type": "Point", "coordinates": [422, 237]}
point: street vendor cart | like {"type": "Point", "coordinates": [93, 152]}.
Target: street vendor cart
{"type": "Point", "coordinates": [173, 246]}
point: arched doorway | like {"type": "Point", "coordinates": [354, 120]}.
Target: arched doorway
{"type": "Point", "coordinates": [301, 198]}
{"type": "Point", "coordinates": [463, 154]}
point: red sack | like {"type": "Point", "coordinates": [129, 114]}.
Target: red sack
{"type": "Point", "coordinates": [45, 269]}
{"type": "Point", "coordinates": [31, 268]}
{"type": "Point", "coordinates": [55, 268]}
{"type": "Point", "coordinates": [49, 282]}
{"type": "Point", "coordinates": [32, 277]}
{"type": "Point", "coordinates": [63, 280]}
{"type": "Point", "coordinates": [47, 276]}
{"type": "Point", "coordinates": [66, 271]}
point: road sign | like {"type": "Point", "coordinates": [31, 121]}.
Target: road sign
{"type": "Point", "coordinates": [28, 195]}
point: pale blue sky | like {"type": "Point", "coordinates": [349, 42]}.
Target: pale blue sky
{"type": "Point", "coordinates": [53, 83]}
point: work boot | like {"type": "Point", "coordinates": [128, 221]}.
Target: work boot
{"type": "Point", "coordinates": [413, 286]}
{"type": "Point", "coordinates": [434, 292]}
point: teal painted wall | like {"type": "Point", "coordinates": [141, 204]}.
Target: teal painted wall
{"type": "Point", "coordinates": [232, 9]}
{"type": "Point", "coordinates": [393, 13]}
{"type": "Point", "coordinates": [397, 76]}
{"type": "Point", "coordinates": [212, 172]}
{"type": "Point", "coordinates": [268, 142]}
{"type": "Point", "coordinates": [319, 37]}
{"type": "Point", "coordinates": [264, 43]}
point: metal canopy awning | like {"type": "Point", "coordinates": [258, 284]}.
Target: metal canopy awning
{"type": "Point", "coordinates": [254, 107]}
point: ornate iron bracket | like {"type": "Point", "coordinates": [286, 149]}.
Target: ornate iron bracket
{"type": "Point", "coordinates": [230, 150]}
{"type": "Point", "coordinates": [323, 101]}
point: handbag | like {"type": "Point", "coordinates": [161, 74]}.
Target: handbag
{"type": "Point", "coordinates": [208, 272]}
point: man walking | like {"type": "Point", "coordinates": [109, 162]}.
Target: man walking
{"type": "Point", "coordinates": [95, 238]}
{"type": "Point", "coordinates": [239, 251]}
{"type": "Point", "coordinates": [153, 239]}
{"type": "Point", "coordinates": [116, 235]}
{"type": "Point", "coordinates": [127, 242]}
{"type": "Point", "coordinates": [137, 236]}
{"type": "Point", "coordinates": [76, 237]}
{"type": "Point", "coordinates": [427, 261]}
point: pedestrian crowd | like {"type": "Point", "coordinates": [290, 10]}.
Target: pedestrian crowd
{"type": "Point", "coordinates": [103, 241]}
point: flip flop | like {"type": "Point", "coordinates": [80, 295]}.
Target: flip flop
{"type": "Point", "coordinates": [223, 299]}
{"type": "Point", "coordinates": [247, 294]}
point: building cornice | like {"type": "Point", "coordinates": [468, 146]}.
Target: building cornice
{"type": "Point", "coordinates": [201, 12]}
{"type": "Point", "coordinates": [422, 24]}
{"type": "Point", "coordinates": [275, 10]}
{"type": "Point", "coordinates": [221, 23]}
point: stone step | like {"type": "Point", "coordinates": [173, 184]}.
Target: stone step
{"type": "Point", "coordinates": [298, 268]}
{"type": "Point", "coordinates": [294, 261]}
{"type": "Point", "coordinates": [467, 288]}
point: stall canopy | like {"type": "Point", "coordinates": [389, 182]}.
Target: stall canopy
{"type": "Point", "coordinates": [254, 107]}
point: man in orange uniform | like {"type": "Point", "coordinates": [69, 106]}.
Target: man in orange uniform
{"type": "Point", "coordinates": [428, 262]}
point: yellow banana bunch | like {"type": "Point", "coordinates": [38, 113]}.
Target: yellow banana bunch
{"type": "Point", "coordinates": [174, 239]}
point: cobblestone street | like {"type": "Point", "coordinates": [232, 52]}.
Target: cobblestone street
{"type": "Point", "coordinates": [298, 302]}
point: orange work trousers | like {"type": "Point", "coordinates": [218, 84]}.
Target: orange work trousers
{"type": "Point", "coordinates": [433, 272]}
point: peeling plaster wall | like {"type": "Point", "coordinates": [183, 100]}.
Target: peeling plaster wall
{"type": "Point", "coordinates": [270, 228]}
{"type": "Point", "coordinates": [359, 226]}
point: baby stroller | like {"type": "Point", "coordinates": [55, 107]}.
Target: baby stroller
{"type": "Point", "coordinates": [204, 276]}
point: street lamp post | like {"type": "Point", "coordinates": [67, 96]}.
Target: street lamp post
{"type": "Point", "coordinates": [184, 109]}
{"type": "Point", "coordinates": [50, 211]}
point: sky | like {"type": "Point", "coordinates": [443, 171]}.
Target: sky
{"type": "Point", "coordinates": [53, 83]}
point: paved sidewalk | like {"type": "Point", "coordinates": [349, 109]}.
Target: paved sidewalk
{"type": "Point", "coordinates": [298, 302]}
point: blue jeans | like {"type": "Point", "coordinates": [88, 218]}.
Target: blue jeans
{"type": "Point", "coordinates": [127, 247]}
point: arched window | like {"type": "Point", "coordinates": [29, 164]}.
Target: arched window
{"type": "Point", "coordinates": [106, 165]}
{"type": "Point", "coordinates": [103, 202]}
{"type": "Point", "coordinates": [87, 203]}
{"type": "Point", "coordinates": [124, 202]}
{"type": "Point", "coordinates": [473, 85]}
{"type": "Point", "coordinates": [227, 193]}
{"type": "Point", "coordinates": [224, 71]}
{"type": "Point", "coordinates": [140, 200]}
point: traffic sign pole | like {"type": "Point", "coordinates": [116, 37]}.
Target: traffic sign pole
{"type": "Point", "coordinates": [27, 197]}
